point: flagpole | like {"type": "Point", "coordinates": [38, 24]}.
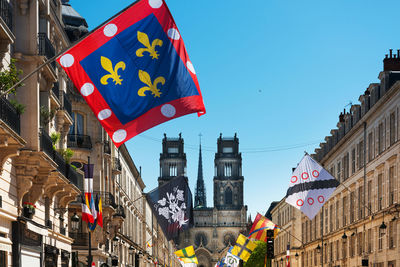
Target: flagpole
{"type": "Point", "coordinates": [322, 238]}
{"type": "Point", "coordinates": [90, 237]}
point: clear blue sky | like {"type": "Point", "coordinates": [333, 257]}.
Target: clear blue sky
{"type": "Point", "coordinates": [278, 73]}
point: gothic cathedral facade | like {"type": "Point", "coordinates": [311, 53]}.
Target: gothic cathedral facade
{"type": "Point", "coordinates": [215, 228]}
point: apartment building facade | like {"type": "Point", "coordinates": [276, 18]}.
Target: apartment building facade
{"type": "Point", "coordinates": [47, 133]}
{"type": "Point", "coordinates": [359, 224]}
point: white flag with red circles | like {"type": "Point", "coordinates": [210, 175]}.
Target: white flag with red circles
{"type": "Point", "coordinates": [310, 187]}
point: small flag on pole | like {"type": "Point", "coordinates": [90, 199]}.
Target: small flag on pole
{"type": "Point", "coordinates": [243, 248]}
{"type": "Point", "coordinates": [310, 187]}
{"type": "Point", "coordinates": [231, 260]}
{"type": "Point", "coordinates": [134, 71]}
{"type": "Point", "coordinates": [260, 226]}
{"type": "Point", "coordinates": [288, 256]}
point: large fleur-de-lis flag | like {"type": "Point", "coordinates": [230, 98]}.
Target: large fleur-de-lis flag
{"type": "Point", "coordinates": [134, 71]}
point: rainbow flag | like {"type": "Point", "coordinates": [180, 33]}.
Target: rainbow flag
{"type": "Point", "coordinates": [260, 226]}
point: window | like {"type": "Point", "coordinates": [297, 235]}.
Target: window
{"type": "Point", "coordinates": [380, 238]}
{"type": "Point", "coordinates": [360, 202]}
{"type": "Point", "coordinates": [352, 245]}
{"type": "Point", "coordinates": [353, 160]}
{"type": "Point", "coordinates": [337, 214]}
{"type": "Point", "coordinates": [173, 150]}
{"type": "Point", "coordinates": [346, 166]}
{"type": "Point", "coordinates": [381, 145]}
{"type": "Point", "coordinates": [391, 185]}
{"type": "Point", "coordinates": [369, 197]}
{"type": "Point", "coordinates": [380, 191]}
{"type": "Point", "coordinates": [352, 208]}
{"type": "Point", "coordinates": [339, 171]}
{"type": "Point", "coordinates": [337, 250]}
{"type": "Point", "coordinates": [228, 196]}
{"type": "Point", "coordinates": [172, 169]}
{"type": "Point", "coordinates": [331, 217]}
{"type": "Point", "coordinates": [77, 126]}
{"type": "Point", "coordinates": [344, 211]}
{"type": "Point", "coordinates": [3, 258]}
{"type": "Point", "coordinates": [227, 149]}
{"type": "Point", "coordinates": [392, 130]}
{"type": "Point", "coordinates": [370, 147]}
{"type": "Point", "coordinates": [392, 234]}
{"type": "Point", "coordinates": [360, 243]}
{"type": "Point", "coordinates": [228, 169]}
{"type": "Point", "coordinates": [369, 249]}
{"type": "Point", "coordinates": [344, 249]}
{"type": "Point", "coordinates": [360, 154]}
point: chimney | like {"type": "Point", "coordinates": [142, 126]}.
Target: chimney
{"type": "Point", "coordinates": [391, 62]}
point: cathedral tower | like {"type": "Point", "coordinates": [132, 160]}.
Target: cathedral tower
{"type": "Point", "coordinates": [172, 159]}
{"type": "Point", "coordinates": [228, 179]}
{"type": "Point", "coordinates": [200, 200]}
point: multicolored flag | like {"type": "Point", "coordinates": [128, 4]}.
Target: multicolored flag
{"type": "Point", "coordinates": [172, 204]}
{"type": "Point", "coordinates": [99, 210]}
{"type": "Point", "coordinates": [86, 213]}
{"type": "Point", "coordinates": [243, 248]}
{"type": "Point", "coordinates": [134, 71]}
{"type": "Point", "coordinates": [288, 256]}
{"type": "Point", "coordinates": [310, 187]}
{"type": "Point", "coordinates": [88, 202]}
{"type": "Point", "coordinates": [260, 226]}
{"type": "Point", "coordinates": [187, 255]}
{"type": "Point", "coordinates": [148, 244]}
{"type": "Point", "coordinates": [220, 263]}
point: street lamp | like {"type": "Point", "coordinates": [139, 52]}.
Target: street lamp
{"type": "Point", "coordinates": [344, 237]}
{"type": "Point", "coordinates": [318, 249]}
{"type": "Point", "coordinates": [382, 228]}
{"type": "Point", "coordinates": [296, 255]}
{"type": "Point", "coordinates": [74, 222]}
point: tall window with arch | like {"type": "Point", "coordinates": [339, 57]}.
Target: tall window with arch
{"type": "Point", "coordinates": [228, 196]}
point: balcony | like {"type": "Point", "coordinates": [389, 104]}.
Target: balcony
{"type": "Point", "coordinates": [6, 13]}
{"type": "Point", "coordinates": [107, 199]}
{"type": "Point", "coordinates": [56, 90]}
{"type": "Point", "coordinates": [80, 239]}
{"type": "Point", "coordinates": [46, 48]}
{"type": "Point", "coordinates": [67, 106]}
{"type": "Point", "coordinates": [117, 168]}
{"type": "Point", "coordinates": [63, 167]}
{"type": "Point", "coordinates": [79, 141]}
{"type": "Point", "coordinates": [120, 212]}
{"type": "Point", "coordinates": [9, 115]}
{"type": "Point", "coordinates": [107, 148]}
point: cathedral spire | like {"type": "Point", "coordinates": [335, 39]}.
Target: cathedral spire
{"type": "Point", "coordinates": [200, 192]}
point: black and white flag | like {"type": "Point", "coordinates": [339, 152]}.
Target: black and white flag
{"type": "Point", "coordinates": [310, 187]}
{"type": "Point", "coordinates": [172, 205]}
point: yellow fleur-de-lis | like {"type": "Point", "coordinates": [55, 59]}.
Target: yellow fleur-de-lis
{"type": "Point", "coordinates": [107, 65]}
{"type": "Point", "coordinates": [152, 87]}
{"type": "Point", "coordinates": [144, 39]}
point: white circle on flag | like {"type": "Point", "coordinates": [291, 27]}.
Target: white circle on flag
{"type": "Point", "coordinates": [173, 34]}
{"type": "Point", "coordinates": [190, 67]}
{"type": "Point", "coordinates": [321, 199]}
{"type": "Point", "coordinates": [104, 114]}
{"type": "Point", "coordinates": [119, 135]}
{"type": "Point", "coordinates": [293, 179]}
{"type": "Point", "coordinates": [299, 202]}
{"type": "Point", "coordinates": [310, 201]}
{"type": "Point", "coordinates": [110, 30]}
{"type": "Point", "coordinates": [168, 110]}
{"type": "Point", "coordinates": [67, 60]}
{"type": "Point", "coordinates": [315, 173]}
{"type": "Point", "coordinates": [87, 89]}
{"type": "Point", "coordinates": [155, 3]}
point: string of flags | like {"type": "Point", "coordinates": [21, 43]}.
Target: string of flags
{"type": "Point", "coordinates": [92, 210]}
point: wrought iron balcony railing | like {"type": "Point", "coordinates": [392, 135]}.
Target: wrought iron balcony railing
{"type": "Point", "coordinates": [56, 90]}
{"type": "Point", "coordinates": [117, 164]}
{"type": "Point", "coordinates": [63, 167]}
{"type": "Point", "coordinates": [107, 147]}
{"type": "Point", "coordinates": [9, 115]}
{"type": "Point", "coordinates": [79, 141]}
{"type": "Point", "coordinates": [6, 13]}
{"type": "Point", "coordinates": [67, 106]}
{"type": "Point", "coordinates": [46, 48]}
{"type": "Point", "coordinates": [120, 211]}
{"type": "Point", "coordinates": [80, 239]}
{"type": "Point", "coordinates": [107, 199]}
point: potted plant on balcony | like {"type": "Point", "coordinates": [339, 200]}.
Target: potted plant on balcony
{"type": "Point", "coordinates": [29, 209]}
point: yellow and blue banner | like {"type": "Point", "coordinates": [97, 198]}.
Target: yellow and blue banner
{"type": "Point", "coordinates": [187, 255]}
{"type": "Point", "coordinates": [243, 248]}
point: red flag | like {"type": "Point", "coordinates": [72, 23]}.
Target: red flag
{"type": "Point", "coordinates": [134, 71]}
{"type": "Point", "coordinates": [99, 209]}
